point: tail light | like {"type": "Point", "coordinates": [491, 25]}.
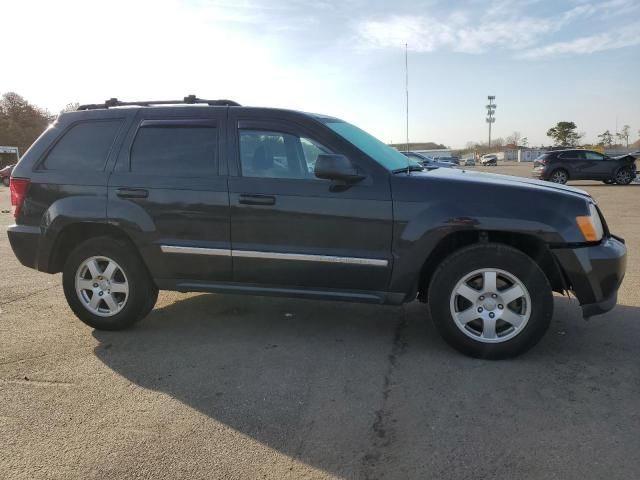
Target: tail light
{"type": "Point", "coordinates": [18, 188]}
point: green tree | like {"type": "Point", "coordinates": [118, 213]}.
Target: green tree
{"type": "Point", "coordinates": [565, 134]}
{"type": "Point", "coordinates": [20, 122]}
{"type": "Point", "coordinates": [606, 139]}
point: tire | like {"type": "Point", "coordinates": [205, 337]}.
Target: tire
{"type": "Point", "coordinates": [459, 320]}
{"type": "Point", "coordinates": [609, 181]}
{"type": "Point", "coordinates": [624, 176]}
{"type": "Point", "coordinates": [559, 176]}
{"type": "Point", "coordinates": [6, 181]}
{"type": "Point", "coordinates": [112, 269]}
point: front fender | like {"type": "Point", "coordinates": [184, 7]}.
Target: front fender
{"type": "Point", "coordinates": [423, 218]}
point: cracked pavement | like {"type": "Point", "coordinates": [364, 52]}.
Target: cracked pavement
{"type": "Point", "coordinates": [222, 386]}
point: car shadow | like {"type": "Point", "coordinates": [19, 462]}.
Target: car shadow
{"type": "Point", "coordinates": [366, 391]}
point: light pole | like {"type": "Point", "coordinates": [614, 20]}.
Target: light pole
{"type": "Point", "coordinates": [491, 110]}
{"type": "Point", "coordinates": [406, 87]}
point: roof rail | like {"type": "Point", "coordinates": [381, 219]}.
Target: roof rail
{"type": "Point", "coordinates": [188, 100]}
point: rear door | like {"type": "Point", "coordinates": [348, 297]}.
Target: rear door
{"type": "Point", "coordinates": [574, 162]}
{"type": "Point", "coordinates": [293, 230]}
{"type": "Point", "coordinates": [167, 192]}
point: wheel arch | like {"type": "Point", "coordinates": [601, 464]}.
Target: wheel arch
{"type": "Point", "coordinates": [533, 247]}
{"type": "Point", "coordinates": [558, 168]}
{"type": "Point", "coordinates": [75, 233]}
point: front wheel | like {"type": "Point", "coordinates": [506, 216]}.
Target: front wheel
{"type": "Point", "coordinates": [490, 301]}
{"type": "Point", "coordinates": [106, 284]}
{"type": "Point", "coordinates": [624, 176]}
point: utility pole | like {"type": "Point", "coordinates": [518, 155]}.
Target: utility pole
{"type": "Point", "coordinates": [491, 110]}
{"type": "Point", "coordinates": [406, 86]}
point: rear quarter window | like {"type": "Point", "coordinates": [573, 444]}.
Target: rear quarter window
{"type": "Point", "coordinates": [84, 147]}
{"type": "Point", "coordinates": [185, 151]}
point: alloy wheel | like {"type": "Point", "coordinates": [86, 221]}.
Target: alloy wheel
{"type": "Point", "coordinates": [490, 305]}
{"type": "Point", "coordinates": [102, 286]}
{"type": "Point", "coordinates": [623, 177]}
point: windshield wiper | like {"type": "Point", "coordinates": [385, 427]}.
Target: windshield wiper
{"type": "Point", "coordinates": [411, 168]}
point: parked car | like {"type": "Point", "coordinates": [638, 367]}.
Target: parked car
{"type": "Point", "coordinates": [5, 175]}
{"type": "Point", "coordinates": [559, 166]}
{"type": "Point", "coordinates": [489, 160]}
{"type": "Point", "coordinates": [469, 162]}
{"type": "Point", "coordinates": [428, 162]}
{"type": "Point", "coordinates": [230, 199]}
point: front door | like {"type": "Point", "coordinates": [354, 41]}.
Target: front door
{"type": "Point", "coordinates": [166, 192]}
{"type": "Point", "coordinates": [600, 167]}
{"type": "Point", "coordinates": [291, 229]}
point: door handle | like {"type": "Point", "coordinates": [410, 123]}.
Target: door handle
{"type": "Point", "coordinates": [247, 199]}
{"type": "Point", "coordinates": [132, 193]}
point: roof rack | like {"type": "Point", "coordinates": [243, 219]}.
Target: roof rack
{"type": "Point", "coordinates": [188, 100]}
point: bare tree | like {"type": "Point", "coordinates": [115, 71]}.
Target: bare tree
{"type": "Point", "coordinates": [70, 107]}
{"type": "Point", "coordinates": [624, 135]}
{"type": "Point", "coordinates": [514, 139]}
{"type": "Point", "coordinates": [498, 142]}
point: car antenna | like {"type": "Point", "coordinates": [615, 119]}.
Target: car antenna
{"type": "Point", "coordinates": [406, 85]}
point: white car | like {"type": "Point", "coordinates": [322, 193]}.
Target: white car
{"type": "Point", "coordinates": [489, 160]}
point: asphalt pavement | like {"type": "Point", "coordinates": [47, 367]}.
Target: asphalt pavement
{"type": "Point", "coordinates": [223, 386]}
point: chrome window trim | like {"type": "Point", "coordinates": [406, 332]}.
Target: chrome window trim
{"type": "Point", "coordinates": [300, 257]}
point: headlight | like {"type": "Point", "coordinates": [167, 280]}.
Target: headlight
{"type": "Point", "coordinates": [591, 225]}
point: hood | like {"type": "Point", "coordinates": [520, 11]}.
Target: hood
{"type": "Point", "coordinates": [494, 179]}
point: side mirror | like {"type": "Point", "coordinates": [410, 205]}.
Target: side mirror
{"type": "Point", "coordinates": [336, 167]}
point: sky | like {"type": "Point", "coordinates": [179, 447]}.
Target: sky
{"type": "Point", "coordinates": [545, 61]}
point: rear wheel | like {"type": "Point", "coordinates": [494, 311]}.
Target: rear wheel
{"type": "Point", "coordinates": [490, 301]}
{"type": "Point", "coordinates": [6, 181]}
{"type": "Point", "coordinates": [559, 176]}
{"type": "Point", "coordinates": [624, 176]}
{"type": "Point", "coordinates": [106, 284]}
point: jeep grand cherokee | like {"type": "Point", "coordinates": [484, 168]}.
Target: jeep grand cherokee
{"type": "Point", "coordinates": [128, 198]}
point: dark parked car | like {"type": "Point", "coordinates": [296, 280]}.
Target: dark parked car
{"type": "Point", "coordinates": [230, 199]}
{"type": "Point", "coordinates": [559, 166]}
{"type": "Point", "coordinates": [428, 162]}
{"type": "Point", "coordinates": [5, 175]}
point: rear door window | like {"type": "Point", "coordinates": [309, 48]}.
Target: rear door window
{"type": "Point", "coordinates": [174, 150]}
{"type": "Point", "coordinates": [84, 147]}
{"type": "Point", "coordinates": [571, 155]}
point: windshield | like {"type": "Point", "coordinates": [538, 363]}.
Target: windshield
{"type": "Point", "coordinates": [388, 157]}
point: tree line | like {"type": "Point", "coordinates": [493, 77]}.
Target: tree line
{"type": "Point", "coordinates": [22, 122]}
{"type": "Point", "coordinates": [563, 134]}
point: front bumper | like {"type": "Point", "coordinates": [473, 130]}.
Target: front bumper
{"type": "Point", "coordinates": [595, 273]}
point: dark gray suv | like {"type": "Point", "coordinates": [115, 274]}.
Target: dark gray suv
{"type": "Point", "coordinates": [195, 195]}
